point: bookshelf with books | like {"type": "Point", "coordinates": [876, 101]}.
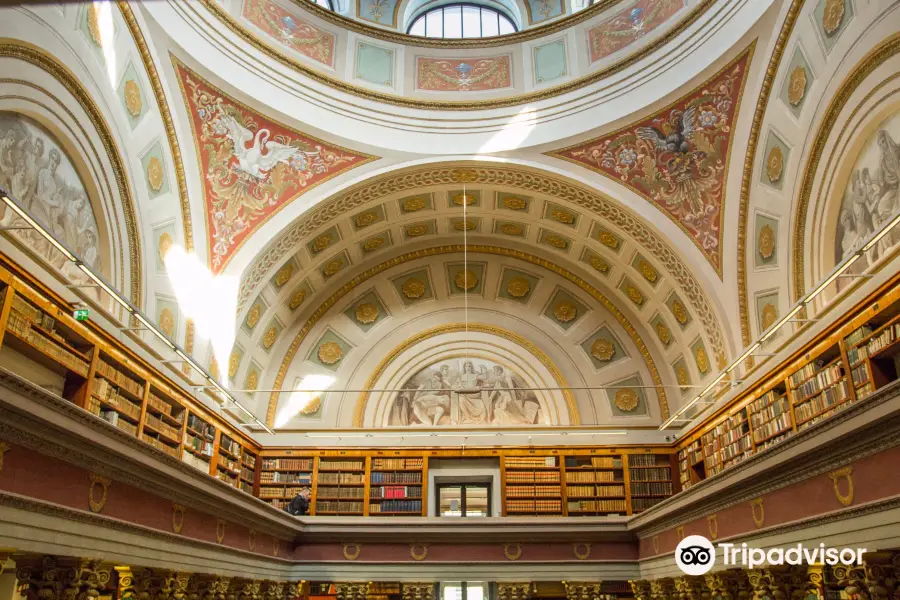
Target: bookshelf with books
{"type": "Point", "coordinates": [248, 470]}
{"type": "Point", "coordinates": [199, 443]}
{"type": "Point", "coordinates": [691, 466]}
{"type": "Point", "coordinates": [396, 486]}
{"type": "Point", "coordinates": [339, 485]}
{"type": "Point", "coordinates": [283, 475]}
{"type": "Point", "coordinates": [727, 443]}
{"type": "Point", "coordinates": [595, 485]}
{"type": "Point", "coordinates": [532, 485]}
{"type": "Point", "coordinates": [819, 388]}
{"type": "Point", "coordinates": [117, 393]}
{"type": "Point", "coordinates": [873, 352]}
{"type": "Point", "coordinates": [227, 463]}
{"type": "Point", "coordinates": [650, 480]}
{"type": "Point", "coordinates": [771, 417]}
{"type": "Point", "coordinates": [164, 420]}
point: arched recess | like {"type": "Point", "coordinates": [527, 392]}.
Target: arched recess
{"type": "Point", "coordinates": [112, 201]}
{"type": "Point", "coordinates": [856, 112]}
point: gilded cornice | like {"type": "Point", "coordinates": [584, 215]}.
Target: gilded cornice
{"type": "Point", "coordinates": [874, 59]}
{"type": "Point", "coordinates": [550, 92]}
{"type": "Point", "coordinates": [350, 285]}
{"type": "Point", "coordinates": [165, 114]}
{"type": "Point", "coordinates": [611, 213]}
{"type": "Point", "coordinates": [363, 399]}
{"type": "Point", "coordinates": [34, 56]}
{"type": "Point", "coordinates": [787, 27]}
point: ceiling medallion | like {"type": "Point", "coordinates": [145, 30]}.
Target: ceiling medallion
{"type": "Point", "coordinates": [284, 274]}
{"type": "Point", "coordinates": [647, 270]}
{"type": "Point", "coordinates": [626, 400]}
{"type": "Point", "coordinates": [93, 24]}
{"type": "Point", "coordinates": [463, 175]}
{"type": "Point", "coordinates": [269, 337]}
{"type": "Point", "coordinates": [565, 311]}
{"type": "Point", "coordinates": [514, 203]}
{"type": "Point", "coordinates": [557, 242]}
{"type": "Point", "coordinates": [253, 315]}
{"type": "Point", "coordinates": [314, 405]}
{"type": "Point", "coordinates": [562, 216]}
{"type": "Point", "coordinates": [832, 16]}
{"type": "Point", "coordinates": [797, 86]}
{"type": "Point", "coordinates": [365, 219]}
{"type": "Point", "coordinates": [413, 288]}
{"type": "Point", "coordinates": [329, 353]}
{"type": "Point", "coordinates": [252, 380]}
{"type": "Point", "coordinates": [333, 267]}
{"type": "Point", "coordinates": [167, 322]}
{"type": "Point", "coordinates": [234, 361]}
{"type": "Point", "coordinates": [163, 246]}
{"type": "Point", "coordinates": [608, 240]}
{"type": "Point", "coordinates": [133, 101]}
{"type": "Point", "coordinates": [634, 294]}
{"type": "Point", "coordinates": [413, 204]}
{"type": "Point", "coordinates": [681, 375]}
{"type": "Point", "coordinates": [373, 244]}
{"type": "Point", "coordinates": [297, 299]}
{"type": "Point", "coordinates": [367, 313]}
{"type": "Point", "coordinates": [702, 359]}
{"type": "Point", "coordinates": [599, 264]}
{"type": "Point", "coordinates": [665, 336]}
{"type": "Point", "coordinates": [322, 242]}
{"type": "Point", "coordinates": [518, 287]}
{"type": "Point", "coordinates": [416, 230]}
{"type": "Point", "coordinates": [466, 225]}
{"type": "Point", "coordinates": [679, 311]}
{"type": "Point", "coordinates": [769, 315]}
{"type": "Point", "coordinates": [511, 229]}
{"type": "Point", "coordinates": [774, 164]}
{"type": "Point", "coordinates": [155, 174]}
{"type": "Point", "coordinates": [465, 280]}
{"type": "Point", "coordinates": [460, 199]}
{"type": "Point", "coordinates": [766, 242]}
{"type": "Point", "coordinates": [603, 349]}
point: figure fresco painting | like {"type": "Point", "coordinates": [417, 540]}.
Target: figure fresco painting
{"type": "Point", "coordinates": [466, 392]}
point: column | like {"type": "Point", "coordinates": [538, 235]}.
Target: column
{"type": "Point", "coordinates": [352, 591]}
{"type": "Point", "coordinates": [662, 589]}
{"type": "Point", "coordinates": [52, 578]}
{"type": "Point", "coordinates": [730, 584]}
{"type": "Point", "coordinates": [641, 589]}
{"type": "Point", "coordinates": [514, 591]}
{"type": "Point", "coordinates": [417, 591]}
{"type": "Point", "coordinates": [688, 587]}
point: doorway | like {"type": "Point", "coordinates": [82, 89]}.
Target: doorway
{"type": "Point", "coordinates": [464, 590]}
{"type": "Point", "coordinates": [463, 500]}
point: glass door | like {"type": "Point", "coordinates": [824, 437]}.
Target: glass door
{"type": "Point", "coordinates": [464, 590]}
{"type": "Point", "coordinates": [464, 500]}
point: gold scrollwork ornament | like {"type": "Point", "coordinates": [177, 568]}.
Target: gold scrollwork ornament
{"type": "Point", "coordinates": [103, 483]}
{"type": "Point", "coordinates": [713, 522]}
{"type": "Point", "coordinates": [662, 331]}
{"type": "Point", "coordinates": [418, 551]}
{"type": "Point", "coordinates": [626, 400]}
{"type": "Point", "coordinates": [269, 337]}
{"type": "Point", "coordinates": [133, 101]}
{"type": "Point", "coordinates": [512, 551]}
{"type": "Point", "coordinates": [351, 551]}
{"type": "Point", "coordinates": [253, 315]}
{"type": "Point", "coordinates": [466, 225]}
{"type": "Point", "coordinates": [797, 86]}
{"type": "Point", "coordinates": [599, 264]}
{"type": "Point", "coordinates": [373, 244]}
{"type": "Point", "coordinates": [608, 240]}
{"type": "Point", "coordinates": [322, 242]}
{"type": "Point", "coordinates": [832, 16]}
{"type": "Point", "coordinates": [333, 267]}
{"type": "Point", "coordinates": [514, 203]}
{"type": "Point", "coordinates": [845, 473]}
{"type": "Point", "coordinates": [234, 361]}
{"type": "Point", "coordinates": [679, 311]}
{"type": "Point", "coordinates": [155, 174]}
{"type": "Point", "coordinates": [330, 353]}
{"type": "Point", "coordinates": [602, 349]}
{"type": "Point", "coordinates": [365, 219]}
{"type": "Point", "coordinates": [177, 518]}
{"type": "Point", "coordinates": [220, 530]}
{"type": "Point", "coordinates": [511, 229]}
{"type": "Point", "coordinates": [562, 216]}
{"type": "Point", "coordinates": [413, 204]}
{"type": "Point", "coordinates": [679, 532]}
{"type": "Point", "coordinates": [702, 359]}
{"type": "Point", "coordinates": [413, 288]}
{"type": "Point", "coordinates": [557, 241]}
{"type": "Point", "coordinates": [518, 287]}
{"type": "Point", "coordinates": [655, 542]}
{"type": "Point", "coordinates": [775, 164]}
{"type": "Point", "coordinates": [756, 506]}
{"type": "Point", "coordinates": [4, 448]}
{"type": "Point", "coordinates": [634, 294]}
{"type": "Point", "coordinates": [648, 272]}
{"type": "Point", "coordinates": [769, 315]}
{"type": "Point", "coordinates": [461, 199]}
{"type": "Point", "coordinates": [565, 311]}
{"type": "Point", "coordinates": [251, 540]}
{"type": "Point", "coordinates": [284, 274]}
{"type": "Point", "coordinates": [766, 241]}
{"type": "Point", "coordinates": [297, 299]}
{"type": "Point", "coordinates": [582, 551]}
{"type": "Point", "coordinates": [416, 230]}
{"type": "Point", "coordinates": [466, 280]}
{"type": "Point", "coordinates": [367, 313]}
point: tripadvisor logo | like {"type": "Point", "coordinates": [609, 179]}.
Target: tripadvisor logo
{"type": "Point", "coordinates": [696, 555]}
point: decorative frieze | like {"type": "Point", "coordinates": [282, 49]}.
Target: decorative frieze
{"type": "Point", "coordinates": [514, 591]}
{"type": "Point", "coordinates": [418, 591]}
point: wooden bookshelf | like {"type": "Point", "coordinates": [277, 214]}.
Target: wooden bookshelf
{"type": "Point", "coordinates": [227, 463]}
{"type": "Point", "coordinates": [249, 471]}
{"type": "Point", "coordinates": [532, 485]}
{"type": "Point", "coordinates": [340, 486]}
{"type": "Point", "coordinates": [282, 476]}
{"type": "Point", "coordinates": [595, 485]}
{"type": "Point", "coordinates": [199, 443]}
{"type": "Point", "coordinates": [819, 388]}
{"type": "Point", "coordinates": [771, 417]}
{"type": "Point", "coordinates": [650, 480]}
{"type": "Point", "coordinates": [691, 465]}
{"type": "Point", "coordinates": [397, 486]}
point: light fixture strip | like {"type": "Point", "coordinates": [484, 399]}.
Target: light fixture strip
{"type": "Point", "coordinates": [149, 326]}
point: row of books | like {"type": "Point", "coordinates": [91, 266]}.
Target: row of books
{"type": "Point", "coordinates": [855, 355]}
{"type": "Point", "coordinates": [395, 506]}
{"type": "Point", "coordinates": [860, 374]}
{"type": "Point", "coordinates": [195, 461]}
{"type": "Point", "coordinates": [530, 461]}
{"type": "Point", "coordinates": [741, 446]}
{"type": "Point", "coordinates": [532, 476]}
{"type": "Point", "coordinates": [651, 488]}
{"type": "Point", "coordinates": [229, 445]}
{"type": "Point", "coordinates": [112, 417]}
{"type": "Point", "coordinates": [654, 474]}
{"type": "Point", "coordinates": [591, 476]}
{"type": "Point", "coordinates": [762, 402]}
{"type": "Point", "coordinates": [227, 477]}
{"type": "Point", "coordinates": [288, 464]}
{"type": "Point", "coordinates": [805, 372]}
{"type": "Point", "coordinates": [274, 477]}
{"type": "Point", "coordinates": [733, 435]}
{"type": "Point", "coordinates": [277, 492]}
{"type": "Point", "coordinates": [109, 395]}
{"type": "Point", "coordinates": [610, 506]}
{"type": "Point", "coordinates": [246, 487]}
{"type": "Point", "coordinates": [164, 407]}
{"type": "Point", "coordinates": [835, 394]}
{"type": "Point", "coordinates": [533, 490]}
{"type": "Point", "coordinates": [397, 463]}
{"type": "Point", "coordinates": [858, 335]}
{"type": "Point", "coordinates": [200, 445]}
{"type": "Point", "coordinates": [21, 326]}
{"type": "Point", "coordinates": [396, 491]}
{"type": "Point", "coordinates": [165, 429]}
{"type": "Point", "coordinates": [776, 408]}
{"type": "Point", "coordinates": [326, 506]}
{"type": "Point", "coordinates": [821, 380]}
{"type": "Point", "coordinates": [340, 492]}
{"type": "Point", "coordinates": [397, 477]}
{"type": "Point", "coordinates": [341, 465]}
{"type": "Point", "coordinates": [648, 460]}
{"type": "Point", "coordinates": [229, 463]}
{"type": "Point", "coordinates": [885, 338]}
{"type": "Point", "coordinates": [201, 427]}
{"type": "Point", "coordinates": [642, 504]}
{"type": "Point", "coordinates": [119, 378]}
{"type": "Point", "coordinates": [773, 427]}
{"type": "Point", "coordinates": [342, 478]}
{"type": "Point", "coordinates": [534, 506]}
{"type": "Point", "coordinates": [246, 474]}
{"type": "Point", "coordinates": [248, 460]}
{"type": "Point", "coordinates": [865, 391]}
{"type": "Point", "coordinates": [607, 491]}
{"type": "Point", "coordinates": [599, 462]}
